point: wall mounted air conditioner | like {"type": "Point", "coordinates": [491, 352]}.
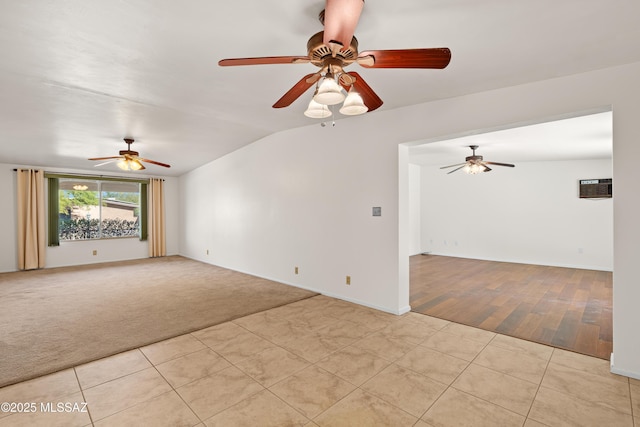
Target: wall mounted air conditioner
{"type": "Point", "coordinates": [596, 188]}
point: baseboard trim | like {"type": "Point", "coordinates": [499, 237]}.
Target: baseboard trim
{"type": "Point", "coordinates": [622, 372]}
{"type": "Point", "coordinates": [519, 261]}
{"type": "Point", "coordinates": [398, 312]}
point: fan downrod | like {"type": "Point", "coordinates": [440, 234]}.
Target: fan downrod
{"type": "Point", "coordinates": [128, 151]}
{"type": "Point", "coordinates": [473, 157]}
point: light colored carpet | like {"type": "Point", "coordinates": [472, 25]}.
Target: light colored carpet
{"type": "Point", "coordinates": [53, 319]}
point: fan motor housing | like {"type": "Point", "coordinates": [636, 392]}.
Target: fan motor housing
{"type": "Point", "coordinates": [473, 159]}
{"type": "Point", "coordinates": [318, 52]}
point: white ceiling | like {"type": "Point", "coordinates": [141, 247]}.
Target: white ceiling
{"type": "Point", "coordinates": [77, 76]}
{"type": "Point", "coordinates": [577, 138]}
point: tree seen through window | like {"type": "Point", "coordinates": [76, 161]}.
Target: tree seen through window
{"type": "Point", "coordinates": [93, 209]}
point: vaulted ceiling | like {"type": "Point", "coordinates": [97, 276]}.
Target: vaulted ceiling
{"type": "Point", "coordinates": [76, 77]}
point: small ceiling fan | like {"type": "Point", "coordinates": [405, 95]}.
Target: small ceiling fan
{"type": "Point", "coordinates": [128, 159]}
{"type": "Point", "coordinates": [475, 164]}
{"type": "Point", "coordinates": [335, 48]}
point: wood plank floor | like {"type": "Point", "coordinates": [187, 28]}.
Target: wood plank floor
{"type": "Point", "coordinates": [562, 307]}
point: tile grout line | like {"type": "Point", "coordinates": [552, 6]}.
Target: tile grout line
{"type": "Point", "coordinates": [82, 393]}
{"type": "Point", "coordinates": [633, 416]}
{"type": "Point", "coordinates": [285, 402]}
{"type": "Point", "coordinates": [393, 362]}
{"type": "Point", "coordinates": [246, 358]}
{"type": "Point", "coordinates": [170, 385]}
{"type": "Point", "coordinates": [169, 339]}
{"type": "Point", "coordinates": [256, 381]}
{"type": "Point", "coordinates": [116, 378]}
{"type": "Point", "coordinates": [491, 369]}
{"type": "Point", "coordinates": [357, 387]}
{"type": "Point", "coordinates": [450, 385]}
{"type": "Point", "coordinates": [419, 417]}
{"type": "Point", "coordinates": [597, 376]}
{"type": "Point", "coordinates": [144, 401]}
{"type": "Point", "coordinates": [540, 385]}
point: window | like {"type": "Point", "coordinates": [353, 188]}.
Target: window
{"type": "Point", "coordinates": [83, 208]}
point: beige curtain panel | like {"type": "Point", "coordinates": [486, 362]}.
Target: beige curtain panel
{"type": "Point", "coordinates": [31, 219]}
{"type": "Point", "coordinates": [157, 243]}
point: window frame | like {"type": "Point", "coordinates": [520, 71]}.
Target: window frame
{"type": "Point", "coordinates": [53, 202]}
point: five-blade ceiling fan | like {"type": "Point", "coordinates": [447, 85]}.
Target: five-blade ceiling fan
{"type": "Point", "coordinates": [474, 164]}
{"type": "Point", "coordinates": [128, 159]}
{"type": "Point", "coordinates": [335, 48]}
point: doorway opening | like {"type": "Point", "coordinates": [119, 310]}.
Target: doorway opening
{"type": "Point", "coordinates": [516, 250]}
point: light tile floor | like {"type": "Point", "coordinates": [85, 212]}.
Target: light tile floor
{"type": "Point", "coordinates": [326, 362]}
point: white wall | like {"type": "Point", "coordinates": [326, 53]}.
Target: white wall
{"type": "Point", "coordinates": [529, 214]}
{"type": "Point", "coordinates": [8, 219]}
{"type": "Point", "coordinates": [80, 252]}
{"type": "Point", "coordinates": [415, 209]}
{"type": "Point", "coordinates": [304, 197]}
{"type": "Point", "coordinates": [300, 199]}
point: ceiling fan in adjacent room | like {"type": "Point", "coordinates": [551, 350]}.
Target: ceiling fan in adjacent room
{"type": "Point", "coordinates": [475, 164]}
{"type": "Point", "coordinates": [332, 50]}
{"type": "Point", "coordinates": [128, 159]}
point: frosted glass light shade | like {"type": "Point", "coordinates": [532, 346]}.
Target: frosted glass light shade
{"type": "Point", "coordinates": [317, 111]}
{"type": "Point", "coordinates": [128, 164]}
{"type": "Point", "coordinates": [474, 168]}
{"type": "Point", "coordinates": [135, 165]}
{"type": "Point", "coordinates": [123, 164]}
{"type": "Point", "coordinates": [354, 104]}
{"type": "Point", "coordinates": [329, 92]}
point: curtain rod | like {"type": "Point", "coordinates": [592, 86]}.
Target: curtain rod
{"type": "Point", "coordinates": [62, 174]}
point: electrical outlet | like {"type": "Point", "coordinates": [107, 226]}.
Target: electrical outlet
{"type": "Point", "coordinates": [207, 251]}
{"type": "Point", "coordinates": [95, 252]}
{"type": "Point", "coordinates": [296, 270]}
{"type": "Point", "coordinates": [348, 280]}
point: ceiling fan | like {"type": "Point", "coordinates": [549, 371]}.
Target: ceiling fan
{"type": "Point", "coordinates": [128, 159]}
{"type": "Point", "coordinates": [335, 48]}
{"type": "Point", "coordinates": [475, 164]}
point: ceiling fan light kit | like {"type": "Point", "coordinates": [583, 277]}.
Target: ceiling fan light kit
{"type": "Point", "coordinates": [129, 160]}
{"type": "Point", "coordinates": [475, 168]}
{"type": "Point", "coordinates": [129, 165]}
{"type": "Point", "coordinates": [316, 110]}
{"type": "Point", "coordinates": [335, 48]}
{"type": "Point", "coordinates": [353, 105]}
{"type": "Point", "coordinates": [329, 92]}
{"type": "Point", "coordinates": [475, 164]}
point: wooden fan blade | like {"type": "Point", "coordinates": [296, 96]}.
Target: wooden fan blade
{"type": "Point", "coordinates": [105, 158]}
{"type": "Point", "coordinates": [457, 169]}
{"type": "Point", "coordinates": [264, 60]}
{"type": "Point", "coordinates": [450, 166]}
{"type": "Point", "coordinates": [406, 58]}
{"type": "Point", "coordinates": [154, 162]}
{"type": "Point", "coordinates": [340, 20]}
{"type": "Point", "coordinates": [314, 78]}
{"type": "Point", "coordinates": [486, 168]}
{"type": "Point", "coordinates": [369, 97]}
{"type": "Point", "coordinates": [509, 165]}
{"type": "Point", "coordinates": [295, 92]}
{"type": "Point", "coordinates": [104, 163]}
